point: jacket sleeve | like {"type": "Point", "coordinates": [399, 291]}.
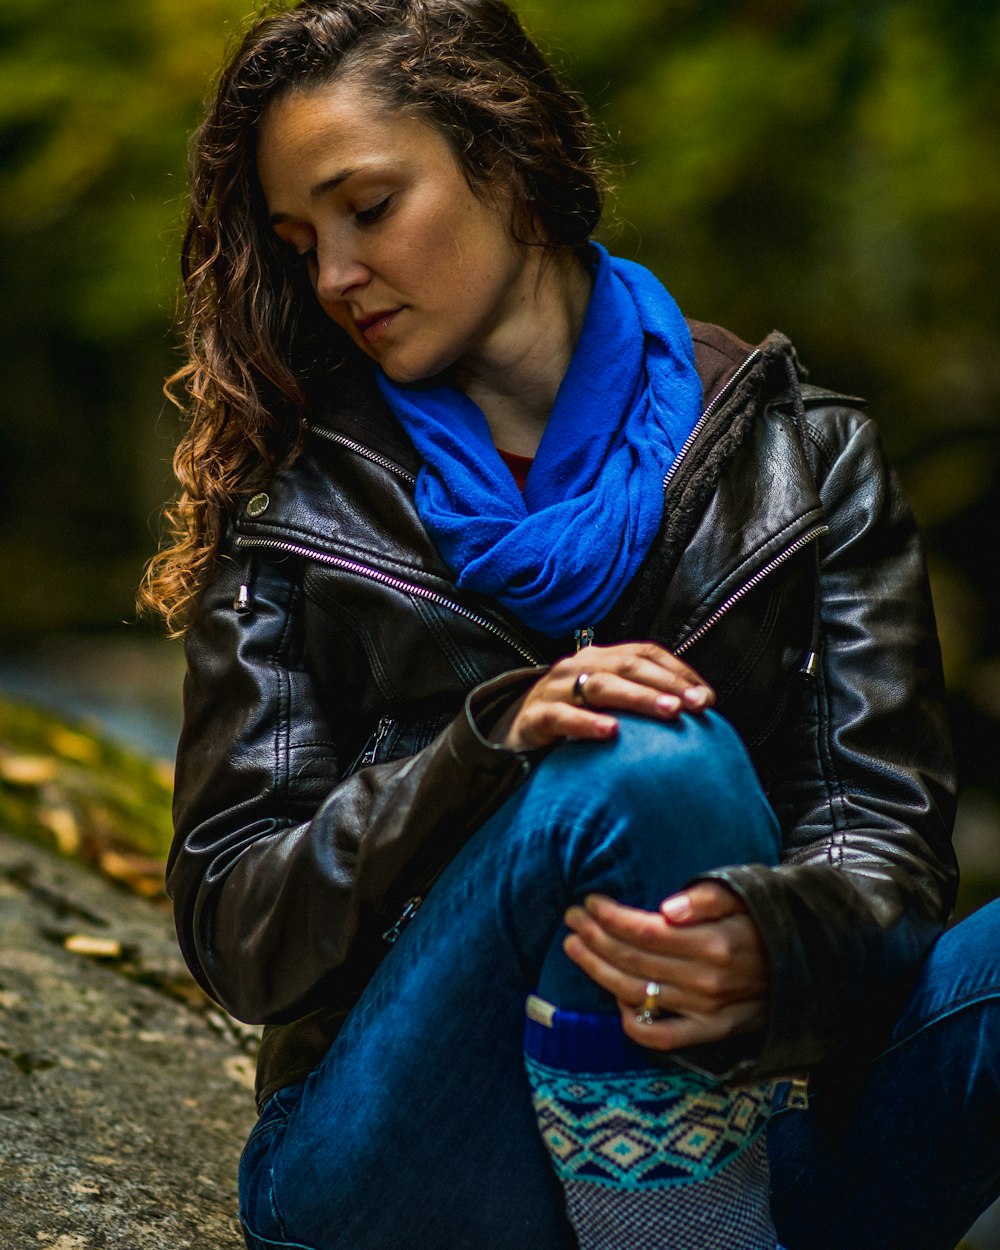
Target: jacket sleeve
{"type": "Point", "coordinates": [861, 778]}
{"type": "Point", "coordinates": [283, 871]}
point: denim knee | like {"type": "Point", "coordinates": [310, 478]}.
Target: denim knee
{"type": "Point", "coordinates": [686, 785]}
{"type": "Point", "coordinates": [962, 968]}
{"type": "Point", "coordinates": [700, 753]}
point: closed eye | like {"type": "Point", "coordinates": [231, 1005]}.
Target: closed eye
{"type": "Point", "coordinates": [368, 216]}
{"type": "Point", "coordinates": [305, 257]}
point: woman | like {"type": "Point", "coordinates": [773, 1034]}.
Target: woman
{"type": "Point", "coordinates": [447, 462]}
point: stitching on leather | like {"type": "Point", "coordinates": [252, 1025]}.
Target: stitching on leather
{"type": "Point", "coordinates": [753, 653]}
{"type": "Point", "coordinates": [282, 729]}
{"type": "Point", "coordinates": [430, 614]}
{"type": "Point", "coordinates": [762, 735]}
{"type": "Point", "coordinates": [349, 618]}
{"type": "Point", "coordinates": [288, 532]}
{"type": "Point", "coordinates": [822, 444]}
{"type": "Point", "coordinates": [750, 562]}
{"type": "Point", "coordinates": [425, 731]}
{"type": "Point", "coordinates": [832, 782]}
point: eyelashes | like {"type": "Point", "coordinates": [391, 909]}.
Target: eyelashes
{"type": "Point", "coordinates": [304, 259]}
{"type": "Point", "coordinates": [368, 216]}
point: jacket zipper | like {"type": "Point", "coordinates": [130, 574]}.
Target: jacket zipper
{"type": "Point", "coordinates": [766, 570]}
{"type": "Point", "coordinates": [584, 637]}
{"type": "Point", "coordinates": [391, 934]}
{"type": "Point", "coordinates": [394, 583]}
{"type": "Point", "coordinates": [381, 733]}
{"type": "Point", "coordinates": [710, 410]}
{"type": "Point", "coordinates": [375, 457]}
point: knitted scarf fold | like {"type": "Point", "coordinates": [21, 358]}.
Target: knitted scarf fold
{"type": "Point", "coordinates": [559, 555]}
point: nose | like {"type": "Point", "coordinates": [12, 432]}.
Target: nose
{"type": "Point", "coordinates": [336, 273]}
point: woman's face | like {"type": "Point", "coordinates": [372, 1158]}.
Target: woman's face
{"type": "Point", "coordinates": [420, 272]}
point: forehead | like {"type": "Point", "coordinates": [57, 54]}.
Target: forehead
{"type": "Point", "coordinates": [312, 134]}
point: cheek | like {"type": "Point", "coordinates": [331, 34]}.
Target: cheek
{"type": "Point", "coordinates": [457, 245]}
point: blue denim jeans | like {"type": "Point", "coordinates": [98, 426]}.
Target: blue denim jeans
{"type": "Point", "coordinates": [417, 1128]}
{"type": "Point", "coordinates": [905, 1155]}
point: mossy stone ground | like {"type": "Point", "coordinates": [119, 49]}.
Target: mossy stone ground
{"type": "Point", "coordinates": [124, 1097]}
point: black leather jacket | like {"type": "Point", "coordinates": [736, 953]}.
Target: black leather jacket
{"type": "Point", "coordinates": [333, 757]}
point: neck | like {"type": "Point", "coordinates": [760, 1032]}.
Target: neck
{"type": "Point", "coordinates": [516, 380]}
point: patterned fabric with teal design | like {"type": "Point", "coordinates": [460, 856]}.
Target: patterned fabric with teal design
{"type": "Point", "coordinates": [643, 1130]}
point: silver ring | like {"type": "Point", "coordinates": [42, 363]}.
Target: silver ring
{"type": "Point", "coordinates": [579, 695]}
{"type": "Point", "coordinates": [648, 1011]}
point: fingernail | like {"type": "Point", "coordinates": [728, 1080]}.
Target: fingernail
{"type": "Point", "coordinates": [573, 915]}
{"type": "Point", "coordinates": [668, 703]}
{"type": "Point", "coordinates": [697, 696]}
{"type": "Point", "coordinates": [676, 908]}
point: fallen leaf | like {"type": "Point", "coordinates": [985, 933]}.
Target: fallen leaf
{"type": "Point", "coordinates": [63, 825]}
{"type": "Point", "coordinates": [74, 746]}
{"type": "Point", "coordinates": [126, 867]}
{"type": "Point", "coordinates": [141, 873]}
{"type": "Point", "coordinates": [240, 1068]}
{"type": "Point", "coordinates": [28, 770]}
{"type": "Point", "coordinates": [93, 947]}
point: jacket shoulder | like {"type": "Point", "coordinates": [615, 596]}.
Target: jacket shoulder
{"type": "Point", "coordinates": [719, 354]}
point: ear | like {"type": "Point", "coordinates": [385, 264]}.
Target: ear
{"type": "Point", "coordinates": [524, 223]}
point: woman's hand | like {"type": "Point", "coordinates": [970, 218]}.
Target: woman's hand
{"type": "Point", "coordinates": [701, 948]}
{"type": "Point", "coordinates": [574, 697]}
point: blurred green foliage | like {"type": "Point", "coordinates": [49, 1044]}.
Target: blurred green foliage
{"type": "Point", "coordinates": [67, 787]}
{"type": "Point", "coordinates": [830, 168]}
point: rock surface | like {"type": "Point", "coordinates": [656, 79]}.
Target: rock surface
{"type": "Point", "coordinates": [124, 1096]}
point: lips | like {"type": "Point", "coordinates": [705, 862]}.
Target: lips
{"type": "Point", "coordinates": [375, 324]}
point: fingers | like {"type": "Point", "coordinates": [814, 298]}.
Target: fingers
{"type": "Point", "coordinates": [541, 720]}
{"type": "Point", "coordinates": [707, 900]}
{"type": "Point", "coordinates": [687, 984]}
{"type": "Point", "coordinates": [701, 968]}
{"type": "Point", "coordinates": [633, 677]}
{"type": "Point", "coordinates": [641, 678]}
{"type": "Point", "coordinates": [662, 933]}
{"type": "Point", "coordinates": [702, 1003]}
{"type": "Point", "coordinates": [674, 1032]}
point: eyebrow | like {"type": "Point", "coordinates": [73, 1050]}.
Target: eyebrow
{"type": "Point", "coordinates": [320, 189]}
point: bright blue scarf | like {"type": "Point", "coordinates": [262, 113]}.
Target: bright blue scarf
{"type": "Point", "coordinates": [559, 555]}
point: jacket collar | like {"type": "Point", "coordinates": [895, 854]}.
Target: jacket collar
{"type": "Point", "coordinates": [740, 495]}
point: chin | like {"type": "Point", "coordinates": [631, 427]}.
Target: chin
{"type": "Point", "coordinates": [399, 373]}
{"type": "Point", "coordinates": [408, 372]}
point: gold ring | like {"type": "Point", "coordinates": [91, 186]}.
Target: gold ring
{"type": "Point", "coordinates": [579, 695]}
{"type": "Point", "coordinates": [648, 1010]}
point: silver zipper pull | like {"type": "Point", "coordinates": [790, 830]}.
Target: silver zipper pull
{"type": "Point", "coordinates": [584, 637]}
{"type": "Point", "coordinates": [243, 602]}
{"type": "Point", "coordinates": [406, 915]}
{"type": "Point", "coordinates": [381, 733]}
{"type": "Point", "coordinates": [798, 1094]}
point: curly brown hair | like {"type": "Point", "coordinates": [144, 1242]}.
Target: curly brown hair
{"type": "Point", "coordinates": [257, 343]}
